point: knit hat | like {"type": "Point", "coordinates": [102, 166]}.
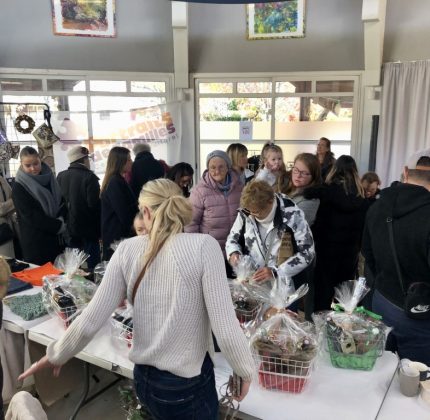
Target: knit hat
{"type": "Point", "coordinates": [220, 154]}
{"type": "Point", "coordinates": [77, 152]}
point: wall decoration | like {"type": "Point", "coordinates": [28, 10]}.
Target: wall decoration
{"type": "Point", "coordinates": [84, 18]}
{"type": "Point", "coordinates": [278, 19]}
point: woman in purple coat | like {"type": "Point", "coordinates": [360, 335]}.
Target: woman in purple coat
{"type": "Point", "coordinates": [215, 199]}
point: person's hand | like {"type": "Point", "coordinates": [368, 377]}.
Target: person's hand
{"type": "Point", "coordinates": [41, 364]}
{"type": "Point", "coordinates": [244, 391]}
{"type": "Point", "coordinates": [234, 259]}
{"type": "Point", "coordinates": [262, 274]}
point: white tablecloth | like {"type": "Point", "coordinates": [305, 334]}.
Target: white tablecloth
{"type": "Point", "coordinates": [330, 394]}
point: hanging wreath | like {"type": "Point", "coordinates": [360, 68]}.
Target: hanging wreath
{"type": "Point", "coordinates": [30, 124]}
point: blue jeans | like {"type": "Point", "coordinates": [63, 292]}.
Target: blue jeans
{"type": "Point", "coordinates": [168, 396]}
{"type": "Point", "coordinates": [409, 337]}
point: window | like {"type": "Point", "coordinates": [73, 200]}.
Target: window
{"type": "Point", "coordinates": [84, 108]}
{"type": "Point", "coordinates": [292, 113]}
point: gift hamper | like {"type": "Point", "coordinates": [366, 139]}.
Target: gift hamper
{"type": "Point", "coordinates": [355, 337]}
{"type": "Point", "coordinates": [66, 295]}
{"type": "Point", "coordinates": [121, 324]}
{"type": "Point", "coordinates": [245, 305]}
{"type": "Point", "coordinates": [284, 349]}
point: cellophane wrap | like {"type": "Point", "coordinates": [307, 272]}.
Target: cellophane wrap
{"type": "Point", "coordinates": [66, 297]}
{"type": "Point", "coordinates": [244, 269]}
{"type": "Point", "coordinates": [355, 337]}
{"type": "Point", "coordinates": [70, 261]}
{"type": "Point", "coordinates": [99, 271]}
{"type": "Point", "coordinates": [122, 324]}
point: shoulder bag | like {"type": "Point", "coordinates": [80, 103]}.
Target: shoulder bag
{"type": "Point", "coordinates": [417, 297]}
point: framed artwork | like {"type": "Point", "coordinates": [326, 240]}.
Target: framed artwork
{"type": "Point", "coordinates": [84, 18]}
{"type": "Point", "coordinates": [280, 19]}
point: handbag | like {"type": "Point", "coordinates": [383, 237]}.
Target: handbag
{"type": "Point", "coordinates": [417, 297]}
{"type": "Point", "coordinates": [6, 233]}
{"type": "Point", "coordinates": [44, 136]}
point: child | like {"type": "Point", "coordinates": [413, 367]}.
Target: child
{"type": "Point", "coordinates": [272, 168]}
{"type": "Point", "coordinates": [138, 225]}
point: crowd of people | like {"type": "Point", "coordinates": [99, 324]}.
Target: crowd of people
{"type": "Point", "coordinates": [305, 223]}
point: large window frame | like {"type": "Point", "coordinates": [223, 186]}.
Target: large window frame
{"type": "Point", "coordinates": [87, 77]}
{"type": "Point", "coordinates": [273, 78]}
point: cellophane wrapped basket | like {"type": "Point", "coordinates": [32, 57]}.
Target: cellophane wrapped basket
{"type": "Point", "coordinates": [121, 324]}
{"type": "Point", "coordinates": [355, 337]}
{"type": "Point", "coordinates": [284, 349]}
{"type": "Point", "coordinates": [245, 305]}
{"type": "Point", "coordinates": [66, 295]}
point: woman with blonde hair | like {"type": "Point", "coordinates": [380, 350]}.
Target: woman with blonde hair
{"type": "Point", "coordinates": [338, 228]}
{"type": "Point", "coordinates": [238, 153]}
{"type": "Point", "coordinates": [118, 203]}
{"type": "Point", "coordinates": [176, 283]}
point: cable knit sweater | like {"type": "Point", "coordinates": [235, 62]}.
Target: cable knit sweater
{"type": "Point", "coordinates": [183, 295]}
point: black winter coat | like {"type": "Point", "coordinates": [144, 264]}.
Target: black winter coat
{"type": "Point", "coordinates": [409, 206]}
{"type": "Point", "coordinates": [81, 191]}
{"type": "Point", "coordinates": [119, 207]}
{"type": "Point", "coordinates": [145, 168]}
{"type": "Point", "coordinates": [38, 231]}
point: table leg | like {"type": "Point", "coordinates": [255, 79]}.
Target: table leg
{"type": "Point", "coordinates": [84, 396]}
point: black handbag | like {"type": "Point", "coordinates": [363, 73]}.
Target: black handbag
{"type": "Point", "coordinates": [6, 233]}
{"type": "Point", "coordinates": [417, 297]}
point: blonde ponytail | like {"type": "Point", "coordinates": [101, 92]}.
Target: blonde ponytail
{"type": "Point", "coordinates": [171, 212]}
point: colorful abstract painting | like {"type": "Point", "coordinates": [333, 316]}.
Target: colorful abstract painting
{"type": "Point", "coordinates": [84, 18]}
{"type": "Point", "coordinates": [276, 20]}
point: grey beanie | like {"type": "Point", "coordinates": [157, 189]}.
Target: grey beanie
{"type": "Point", "coordinates": [220, 154]}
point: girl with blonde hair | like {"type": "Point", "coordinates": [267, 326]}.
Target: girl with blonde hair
{"type": "Point", "coordinates": [176, 283]}
{"type": "Point", "coordinates": [272, 169]}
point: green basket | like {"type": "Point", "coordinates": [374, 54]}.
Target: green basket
{"type": "Point", "coordinates": [364, 361]}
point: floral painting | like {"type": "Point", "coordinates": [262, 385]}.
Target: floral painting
{"type": "Point", "coordinates": [280, 19]}
{"type": "Point", "coordinates": [84, 18]}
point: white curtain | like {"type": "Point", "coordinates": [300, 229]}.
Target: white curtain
{"type": "Point", "coordinates": [404, 126]}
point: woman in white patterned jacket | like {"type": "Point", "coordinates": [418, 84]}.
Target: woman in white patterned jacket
{"type": "Point", "coordinates": [273, 231]}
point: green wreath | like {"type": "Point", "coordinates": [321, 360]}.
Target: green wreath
{"type": "Point", "coordinates": [28, 120]}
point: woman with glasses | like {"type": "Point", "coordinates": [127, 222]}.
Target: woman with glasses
{"type": "Point", "coordinates": [273, 231]}
{"type": "Point", "coordinates": [338, 228]}
{"type": "Point", "coordinates": [306, 172]}
{"type": "Point", "coordinates": [215, 199]}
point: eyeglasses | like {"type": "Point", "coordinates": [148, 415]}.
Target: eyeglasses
{"type": "Point", "coordinates": [214, 169]}
{"type": "Point", "coordinates": [296, 171]}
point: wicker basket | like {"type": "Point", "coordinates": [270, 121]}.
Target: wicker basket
{"type": "Point", "coordinates": [360, 357]}
{"type": "Point", "coordinates": [279, 373]}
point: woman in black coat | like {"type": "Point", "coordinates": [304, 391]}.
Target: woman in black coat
{"type": "Point", "coordinates": [40, 209]}
{"type": "Point", "coordinates": [119, 205]}
{"type": "Point", "coordinates": [337, 229]}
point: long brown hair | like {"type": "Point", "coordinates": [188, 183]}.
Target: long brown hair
{"type": "Point", "coordinates": [314, 168]}
{"type": "Point", "coordinates": [344, 172]}
{"type": "Point", "coordinates": [117, 159]}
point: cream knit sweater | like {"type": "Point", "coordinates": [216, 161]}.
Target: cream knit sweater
{"type": "Point", "coordinates": [182, 297]}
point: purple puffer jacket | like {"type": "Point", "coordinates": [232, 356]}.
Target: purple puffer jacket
{"type": "Point", "coordinates": [213, 212]}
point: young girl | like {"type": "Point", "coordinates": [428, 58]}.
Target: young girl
{"type": "Point", "coordinates": [139, 224]}
{"type": "Point", "coordinates": [272, 168]}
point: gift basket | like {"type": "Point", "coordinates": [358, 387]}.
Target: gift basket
{"type": "Point", "coordinates": [355, 336]}
{"type": "Point", "coordinates": [284, 349]}
{"type": "Point", "coordinates": [66, 295]}
{"type": "Point", "coordinates": [122, 325]}
{"type": "Point", "coordinates": [245, 305]}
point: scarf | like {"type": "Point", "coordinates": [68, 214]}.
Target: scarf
{"type": "Point", "coordinates": [225, 188]}
{"type": "Point", "coordinates": [44, 188]}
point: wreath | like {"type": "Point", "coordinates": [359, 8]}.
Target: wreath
{"type": "Point", "coordinates": [28, 120]}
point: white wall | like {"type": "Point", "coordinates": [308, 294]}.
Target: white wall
{"type": "Point", "coordinates": [333, 41]}
{"type": "Point", "coordinates": [144, 39]}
